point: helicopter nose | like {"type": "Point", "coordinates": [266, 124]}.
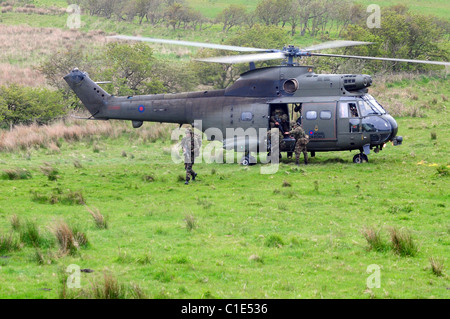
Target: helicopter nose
{"type": "Point", "coordinates": [394, 126]}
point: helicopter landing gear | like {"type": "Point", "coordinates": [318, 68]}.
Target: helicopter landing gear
{"type": "Point", "coordinates": [360, 158]}
{"type": "Point", "coordinates": [247, 159]}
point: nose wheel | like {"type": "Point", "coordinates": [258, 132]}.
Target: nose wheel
{"type": "Point", "coordinates": [360, 158]}
{"type": "Point", "coordinates": [247, 160]}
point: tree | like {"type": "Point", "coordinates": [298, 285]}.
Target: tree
{"type": "Point", "coordinates": [233, 15]}
{"type": "Point", "coordinates": [406, 36]}
{"type": "Point", "coordinates": [221, 76]}
{"type": "Point", "coordinates": [130, 68]}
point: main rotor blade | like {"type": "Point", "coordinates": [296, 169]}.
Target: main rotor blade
{"type": "Point", "coordinates": [245, 58]}
{"type": "Point", "coordinates": [189, 43]}
{"type": "Point", "coordinates": [335, 44]}
{"type": "Point", "coordinates": [382, 59]}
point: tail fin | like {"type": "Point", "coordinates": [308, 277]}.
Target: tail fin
{"type": "Point", "coordinates": [93, 96]}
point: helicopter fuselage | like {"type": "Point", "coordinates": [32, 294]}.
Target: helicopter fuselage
{"type": "Point", "coordinates": [336, 111]}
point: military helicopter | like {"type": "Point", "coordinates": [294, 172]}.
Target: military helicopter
{"type": "Point", "coordinates": [335, 110]}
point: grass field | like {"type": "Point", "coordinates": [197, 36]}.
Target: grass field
{"type": "Point", "coordinates": [304, 232]}
{"type": "Point", "coordinates": [235, 233]}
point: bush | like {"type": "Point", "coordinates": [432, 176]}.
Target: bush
{"type": "Point", "coordinates": [25, 105]}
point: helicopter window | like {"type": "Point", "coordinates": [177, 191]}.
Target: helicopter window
{"type": "Point", "coordinates": [246, 116]}
{"type": "Point", "coordinates": [353, 109]}
{"type": "Point", "coordinates": [311, 115]}
{"type": "Point", "coordinates": [365, 108]}
{"type": "Point", "coordinates": [375, 105]}
{"type": "Point", "coordinates": [325, 115]}
{"type": "Point", "coordinates": [343, 110]}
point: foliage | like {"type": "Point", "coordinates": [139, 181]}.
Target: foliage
{"type": "Point", "coordinates": [402, 35]}
{"type": "Point", "coordinates": [222, 75]}
{"type": "Point", "coordinates": [25, 105]}
{"type": "Point", "coordinates": [233, 15]}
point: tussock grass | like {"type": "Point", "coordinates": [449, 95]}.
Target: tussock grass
{"type": "Point", "coordinates": [437, 266]}
{"type": "Point", "coordinates": [70, 239]}
{"type": "Point", "coordinates": [42, 258]}
{"type": "Point", "coordinates": [286, 184]}
{"type": "Point", "coordinates": [108, 288]}
{"type": "Point", "coordinates": [9, 243]}
{"type": "Point", "coordinates": [100, 221]}
{"type": "Point", "coordinates": [65, 236]}
{"type": "Point", "coordinates": [16, 174]}
{"type": "Point", "coordinates": [30, 235]}
{"type": "Point", "coordinates": [191, 222]}
{"type": "Point", "coordinates": [58, 196]}
{"type": "Point", "coordinates": [402, 242]}
{"type": "Point", "coordinates": [275, 241]}
{"type": "Point", "coordinates": [16, 223]}
{"type": "Point", "coordinates": [256, 258]}
{"type": "Point", "coordinates": [375, 240]}
{"type": "Point", "coordinates": [50, 172]}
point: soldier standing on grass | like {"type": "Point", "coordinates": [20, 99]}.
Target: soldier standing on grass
{"type": "Point", "coordinates": [301, 139]}
{"type": "Point", "coordinates": [191, 145]}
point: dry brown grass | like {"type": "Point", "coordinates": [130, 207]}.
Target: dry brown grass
{"type": "Point", "coordinates": [66, 239]}
{"type": "Point", "coordinates": [24, 47]}
{"type": "Point", "coordinates": [24, 137]}
{"type": "Point", "coordinates": [100, 221]}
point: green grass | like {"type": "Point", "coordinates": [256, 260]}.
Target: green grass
{"type": "Point", "coordinates": [235, 233]}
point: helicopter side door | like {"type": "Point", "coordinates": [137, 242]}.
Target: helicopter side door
{"type": "Point", "coordinates": [349, 125]}
{"type": "Point", "coordinates": [319, 122]}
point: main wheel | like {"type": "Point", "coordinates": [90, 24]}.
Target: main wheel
{"type": "Point", "coordinates": [360, 158]}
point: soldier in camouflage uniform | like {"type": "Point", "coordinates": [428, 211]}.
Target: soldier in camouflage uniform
{"type": "Point", "coordinates": [191, 145]}
{"type": "Point", "coordinates": [301, 139]}
{"type": "Point", "coordinates": [275, 148]}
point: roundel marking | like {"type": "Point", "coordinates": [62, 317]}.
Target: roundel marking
{"type": "Point", "coordinates": [311, 133]}
{"type": "Point", "coordinates": [141, 109]}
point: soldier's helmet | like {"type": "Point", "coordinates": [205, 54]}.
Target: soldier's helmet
{"type": "Point", "coordinates": [293, 124]}
{"type": "Point", "coordinates": [188, 131]}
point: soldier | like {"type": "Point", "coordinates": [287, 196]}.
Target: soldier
{"type": "Point", "coordinates": [301, 139]}
{"type": "Point", "coordinates": [191, 145]}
